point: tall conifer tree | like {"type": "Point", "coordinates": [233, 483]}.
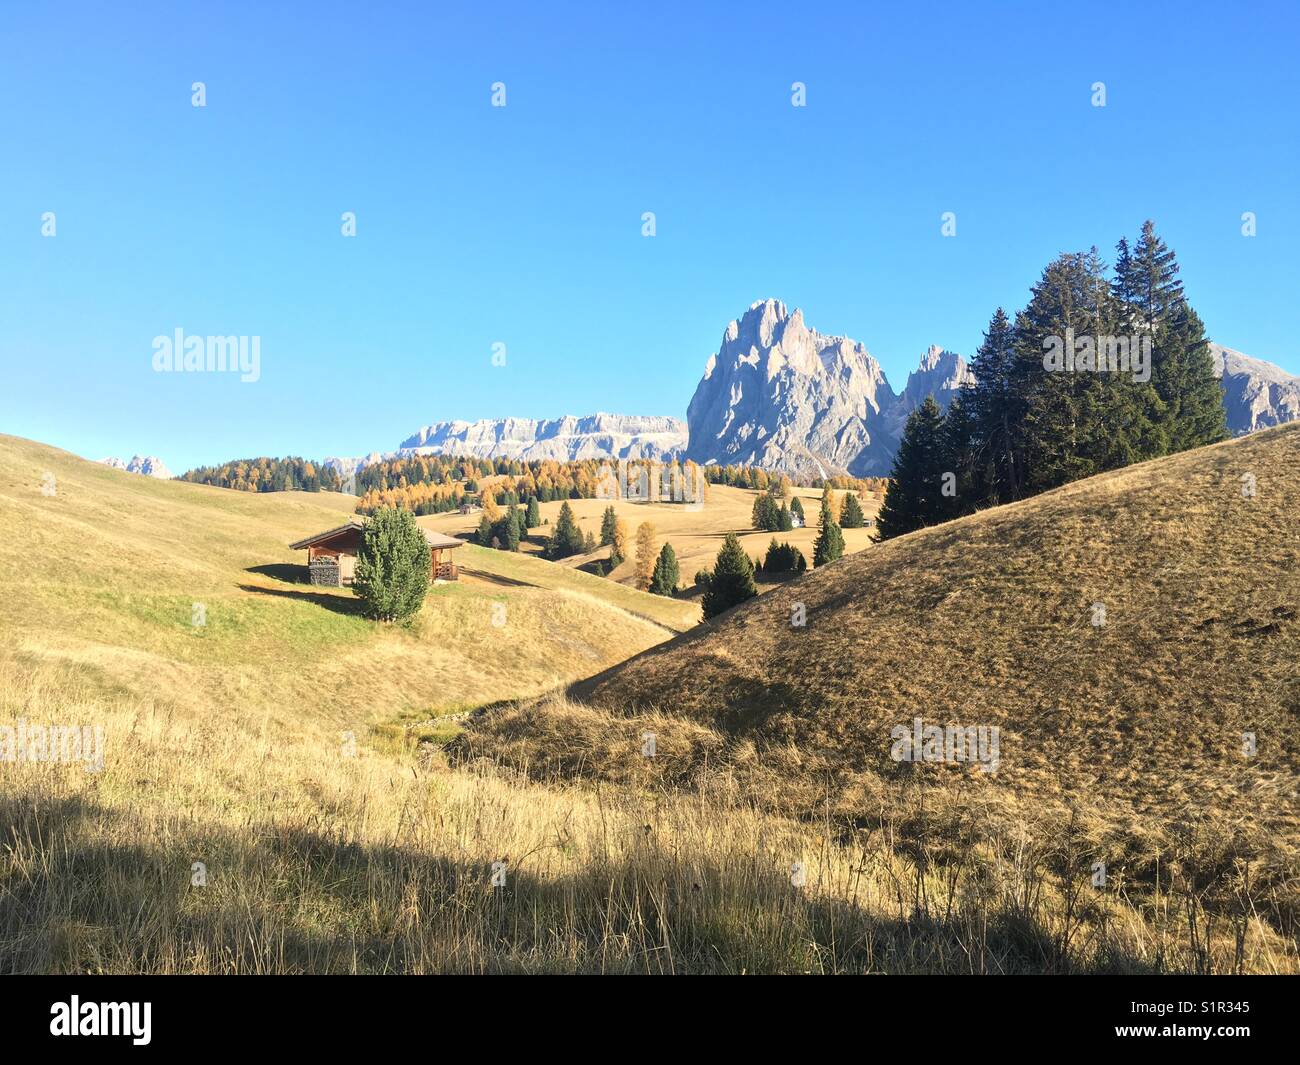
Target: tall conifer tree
{"type": "Point", "coordinates": [732, 580]}
{"type": "Point", "coordinates": [829, 544]}
{"type": "Point", "coordinates": [957, 489]}
{"type": "Point", "coordinates": [851, 516]}
{"type": "Point", "coordinates": [997, 413]}
{"type": "Point", "coordinates": [912, 498]}
{"type": "Point", "coordinates": [566, 537]}
{"type": "Point", "coordinates": [666, 574]}
{"type": "Point", "coordinates": [1190, 408]}
{"type": "Point", "coordinates": [608, 522]}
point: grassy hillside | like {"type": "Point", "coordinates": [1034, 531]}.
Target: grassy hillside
{"type": "Point", "coordinates": [255, 812]}
{"type": "Point", "coordinates": [269, 800]}
{"type": "Point", "coordinates": [696, 535]}
{"type": "Point", "coordinates": [991, 620]}
{"type": "Point", "coordinates": [114, 563]}
{"type": "Point", "coordinates": [1130, 726]}
{"type": "Point", "coordinates": [484, 566]}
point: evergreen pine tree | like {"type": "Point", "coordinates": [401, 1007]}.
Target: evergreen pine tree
{"type": "Point", "coordinates": [1078, 421]}
{"type": "Point", "coordinates": [566, 537]}
{"type": "Point", "coordinates": [1053, 400]}
{"type": "Point", "coordinates": [784, 522]}
{"type": "Point", "coordinates": [666, 574]}
{"type": "Point", "coordinates": [912, 498]}
{"type": "Point", "coordinates": [732, 580]}
{"type": "Point", "coordinates": [1190, 409]}
{"type": "Point", "coordinates": [957, 492]}
{"type": "Point", "coordinates": [997, 411]}
{"type": "Point", "coordinates": [608, 522]}
{"type": "Point", "coordinates": [830, 540]}
{"type": "Point", "coordinates": [510, 529]}
{"type": "Point", "coordinates": [851, 516]}
{"type": "Point", "coordinates": [393, 565]}
{"type": "Point", "coordinates": [765, 514]}
{"type": "Point", "coordinates": [796, 510]}
{"type": "Point", "coordinates": [783, 558]}
{"type": "Point", "coordinates": [534, 515]}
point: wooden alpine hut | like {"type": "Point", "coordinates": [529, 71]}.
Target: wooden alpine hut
{"type": "Point", "coordinates": [332, 554]}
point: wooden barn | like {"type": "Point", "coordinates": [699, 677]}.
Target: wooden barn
{"type": "Point", "coordinates": [332, 554]}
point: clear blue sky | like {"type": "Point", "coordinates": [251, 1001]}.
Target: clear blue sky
{"type": "Point", "coordinates": [523, 224]}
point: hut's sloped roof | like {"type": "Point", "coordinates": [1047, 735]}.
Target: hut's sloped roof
{"type": "Point", "coordinates": [436, 539]}
{"type": "Point", "coordinates": [329, 534]}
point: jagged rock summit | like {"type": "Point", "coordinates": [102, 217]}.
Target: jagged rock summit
{"type": "Point", "coordinates": [781, 395]}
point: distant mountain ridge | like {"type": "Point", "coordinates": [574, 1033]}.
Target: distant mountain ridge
{"type": "Point", "coordinates": [565, 439]}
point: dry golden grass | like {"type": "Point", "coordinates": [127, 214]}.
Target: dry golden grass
{"type": "Point", "coordinates": [1135, 726]}
{"type": "Point", "coordinates": [696, 535]}
{"type": "Point", "coordinates": [989, 620]}
{"type": "Point", "coordinates": [113, 564]}
{"type": "Point", "coordinates": [314, 861]}
{"type": "Point", "coordinates": [483, 567]}
{"type": "Point", "coordinates": [227, 745]}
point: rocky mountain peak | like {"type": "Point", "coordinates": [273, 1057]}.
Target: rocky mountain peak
{"type": "Point", "coordinates": [777, 393]}
{"type": "Point", "coordinates": [1256, 394]}
{"type": "Point", "coordinates": [931, 357]}
{"type": "Point", "coordinates": [940, 373]}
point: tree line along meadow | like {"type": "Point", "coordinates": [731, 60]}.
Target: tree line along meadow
{"type": "Point", "coordinates": [436, 484]}
{"type": "Point", "coordinates": [268, 475]}
{"type": "Point", "coordinates": [439, 484]}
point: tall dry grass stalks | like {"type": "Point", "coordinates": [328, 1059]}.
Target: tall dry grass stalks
{"type": "Point", "coordinates": [318, 861]}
